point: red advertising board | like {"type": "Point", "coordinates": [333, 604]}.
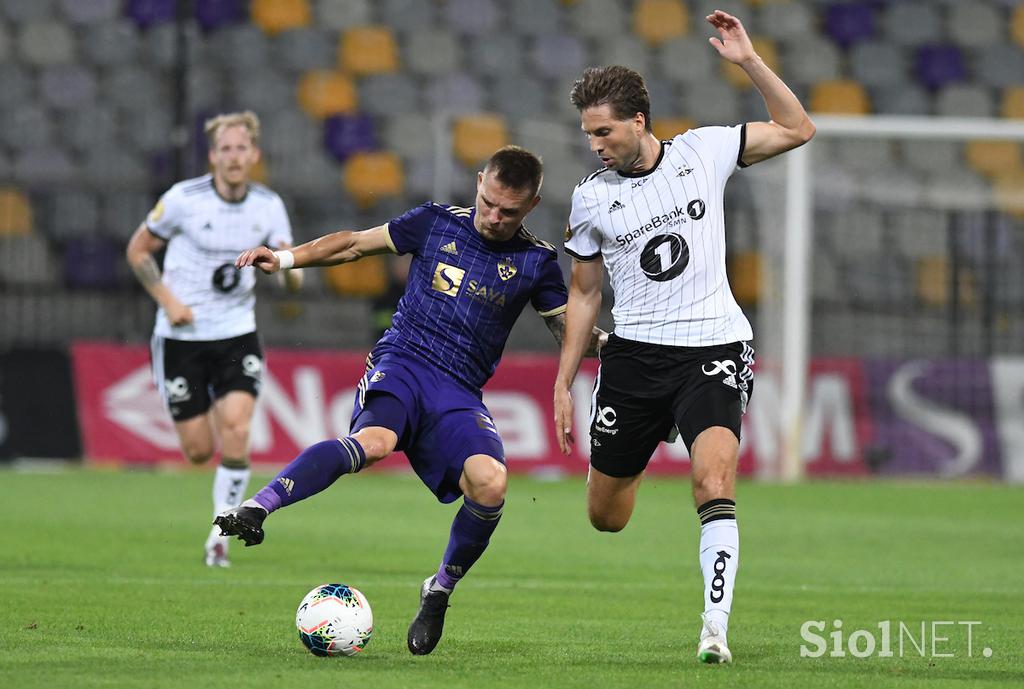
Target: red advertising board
{"type": "Point", "coordinates": [307, 396]}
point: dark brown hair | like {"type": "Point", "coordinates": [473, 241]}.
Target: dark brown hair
{"type": "Point", "coordinates": [516, 168]}
{"type": "Point", "coordinates": [620, 87]}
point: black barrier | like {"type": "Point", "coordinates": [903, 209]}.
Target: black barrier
{"type": "Point", "coordinates": [37, 406]}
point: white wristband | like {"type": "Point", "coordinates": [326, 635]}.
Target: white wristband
{"type": "Point", "coordinates": [286, 258]}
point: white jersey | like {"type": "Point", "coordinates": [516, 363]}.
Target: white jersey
{"type": "Point", "coordinates": [205, 234]}
{"type": "Point", "coordinates": [662, 236]}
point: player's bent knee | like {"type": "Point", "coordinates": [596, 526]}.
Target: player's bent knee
{"type": "Point", "coordinates": [198, 456]}
{"type": "Point", "coordinates": [608, 523]}
{"type": "Point", "coordinates": [377, 443]}
{"type": "Point", "coordinates": [484, 480]}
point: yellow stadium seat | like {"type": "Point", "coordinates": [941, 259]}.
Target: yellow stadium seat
{"type": "Point", "coordinates": [476, 137]}
{"type": "Point", "coordinates": [745, 277]}
{"type": "Point", "coordinates": [735, 75]}
{"type": "Point", "coordinates": [15, 212]}
{"type": "Point", "coordinates": [367, 277]}
{"type": "Point", "coordinates": [1013, 103]}
{"type": "Point", "coordinates": [840, 97]}
{"type": "Point", "coordinates": [1017, 25]}
{"type": "Point", "coordinates": [372, 176]}
{"type": "Point", "coordinates": [324, 93]}
{"type": "Point", "coordinates": [933, 288]}
{"type": "Point", "coordinates": [368, 50]}
{"type": "Point", "coordinates": [275, 16]}
{"type": "Point", "coordinates": [994, 157]}
{"type": "Point", "coordinates": [657, 21]}
{"type": "Point", "coordinates": [666, 128]}
{"type": "Point", "coordinates": [1008, 193]}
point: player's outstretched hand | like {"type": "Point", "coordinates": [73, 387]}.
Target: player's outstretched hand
{"type": "Point", "coordinates": [563, 419]}
{"type": "Point", "coordinates": [261, 257]}
{"type": "Point", "coordinates": [735, 45]}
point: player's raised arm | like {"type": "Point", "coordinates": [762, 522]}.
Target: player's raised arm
{"type": "Point", "coordinates": [139, 253]}
{"type": "Point", "coordinates": [580, 317]}
{"type": "Point", "coordinates": [790, 126]}
{"type": "Point", "coordinates": [329, 250]}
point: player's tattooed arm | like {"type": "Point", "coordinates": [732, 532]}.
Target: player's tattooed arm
{"type": "Point", "coordinates": [139, 253]}
{"type": "Point", "coordinates": [556, 324]}
{"type": "Point", "coordinates": [146, 270]}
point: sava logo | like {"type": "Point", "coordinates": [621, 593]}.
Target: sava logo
{"type": "Point", "coordinates": [718, 581]}
{"type": "Point", "coordinates": [674, 217]}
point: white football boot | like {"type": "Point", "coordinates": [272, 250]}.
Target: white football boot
{"type": "Point", "coordinates": [712, 648]}
{"type": "Point", "coordinates": [217, 549]}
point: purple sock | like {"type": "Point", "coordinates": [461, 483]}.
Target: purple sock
{"type": "Point", "coordinates": [471, 531]}
{"type": "Point", "coordinates": [316, 468]}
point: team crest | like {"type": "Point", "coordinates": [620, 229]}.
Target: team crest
{"type": "Point", "coordinates": [506, 271]}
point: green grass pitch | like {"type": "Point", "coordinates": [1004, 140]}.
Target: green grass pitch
{"type": "Point", "coordinates": [102, 586]}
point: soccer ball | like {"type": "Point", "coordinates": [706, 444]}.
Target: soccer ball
{"type": "Point", "coordinates": [333, 620]}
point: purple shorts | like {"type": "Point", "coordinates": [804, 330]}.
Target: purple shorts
{"type": "Point", "coordinates": [444, 423]}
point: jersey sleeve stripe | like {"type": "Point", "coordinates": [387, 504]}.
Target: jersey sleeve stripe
{"type": "Point", "coordinates": [743, 145]}
{"type": "Point", "coordinates": [388, 240]}
{"type": "Point", "coordinates": [553, 312]}
{"type": "Point", "coordinates": [581, 257]}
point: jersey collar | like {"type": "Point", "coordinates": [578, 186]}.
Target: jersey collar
{"type": "Point", "coordinates": [661, 154]}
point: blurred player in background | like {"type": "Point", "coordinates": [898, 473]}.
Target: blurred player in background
{"type": "Point", "coordinates": [473, 272]}
{"type": "Point", "coordinates": [679, 355]}
{"type": "Point", "coordinates": [206, 353]}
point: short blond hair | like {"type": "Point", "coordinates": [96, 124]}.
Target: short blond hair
{"type": "Point", "coordinates": [248, 119]}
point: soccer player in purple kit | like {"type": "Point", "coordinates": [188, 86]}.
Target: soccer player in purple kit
{"type": "Point", "coordinates": [473, 272]}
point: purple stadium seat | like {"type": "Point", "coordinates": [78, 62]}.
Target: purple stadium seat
{"type": "Point", "coordinates": [348, 134]}
{"type": "Point", "coordinates": [92, 263]}
{"type": "Point", "coordinates": [214, 14]}
{"type": "Point", "coordinates": [850, 22]}
{"type": "Point", "coordinates": [147, 13]}
{"type": "Point", "coordinates": [940, 64]}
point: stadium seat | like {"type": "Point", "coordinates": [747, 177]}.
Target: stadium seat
{"type": "Point", "coordinates": [893, 186]}
{"type": "Point", "coordinates": [289, 131]}
{"type": "Point", "coordinates": [16, 83]}
{"type": "Point", "coordinates": [132, 87]}
{"type": "Point", "coordinates": [533, 18]}
{"type": "Point", "coordinates": [863, 155]}
{"type": "Point", "coordinates": [324, 93]}
{"type": "Point", "coordinates": [219, 14]}
{"type": "Point", "coordinates": [408, 16]}
{"type": "Point", "coordinates": [476, 137]}
{"type": "Point", "coordinates": [1008, 193]}
{"type": "Point", "coordinates": [626, 50]}
{"type": "Point", "coordinates": [367, 277]}
{"type": "Point", "coordinates": [958, 189]}
{"type": "Point", "coordinates": [117, 168]}
{"type": "Point", "coordinates": [902, 99]}
{"type": "Point", "coordinates": [93, 263]}
{"type": "Point", "coordinates": [964, 100]}
{"type": "Point", "coordinates": [21, 11]}
{"type": "Point", "coordinates": [340, 15]}
{"type": "Point", "coordinates": [25, 261]}
{"type": "Point", "coordinates": [810, 59]}
{"type": "Point", "coordinates": [304, 49]}
{"type": "Point", "coordinates": [370, 177]}
{"type": "Point", "coordinates": [667, 128]}
{"type": "Point", "coordinates": [591, 19]}
{"type": "Point", "coordinates": [859, 230]}
{"type": "Point", "coordinates": [46, 165]}
{"type": "Point", "coordinates": [241, 48]}
{"type": "Point", "coordinates": [148, 13]}
{"type": "Point", "coordinates": [785, 20]}
{"type": "Point", "coordinates": [432, 51]}
{"type": "Point", "coordinates": [46, 42]}
{"type": "Point", "coordinates": [687, 59]}
{"type": "Point", "coordinates": [388, 95]}
{"type": "Point", "coordinates": [110, 43]}
{"type": "Point", "coordinates": [275, 16]}
{"type": "Point", "coordinates": [839, 97]}
{"type": "Point", "coordinates": [912, 22]}
{"type": "Point", "coordinates": [273, 91]}
{"type": "Point", "coordinates": [657, 21]}
{"type": "Point", "coordinates": [96, 127]}
{"type": "Point", "coordinates": [308, 173]}
{"type": "Point", "coordinates": [368, 50]}
{"type": "Point", "coordinates": [15, 212]}
{"type": "Point", "coordinates": [345, 135]}
{"type": "Point", "coordinates": [149, 132]}
{"type": "Point", "coordinates": [76, 213]}
{"type": "Point", "coordinates": [544, 134]}
{"type": "Point", "coordinates": [159, 49]}
{"type": "Point", "coordinates": [1017, 25]}
{"type": "Point", "coordinates": [992, 158]}
{"type": "Point", "coordinates": [932, 282]}
{"type": "Point", "coordinates": [735, 75]}
{"type": "Point", "coordinates": [745, 276]}
{"type": "Point", "coordinates": [457, 93]}
{"type": "Point", "coordinates": [710, 103]}
{"type": "Point", "coordinates": [558, 55]}
{"type": "Point", "coordinates": [404, 134]}
{"type": "Point", "coordinates": [496, 56]}
{"type": "Point", "coordinates": [919, 232]}
{"type": "Point", "coordinates": [1013, 103]}
{"type": "Point", "coordinates": [90, 11]}
{"type": "Point", "coordinates": [522, 95]}
{"type": "Point", "coordinates": [472, 17]}
{"type": "Point", "coordinates": [975, 25]}
{"type": "Point", "coordinates": [25, 125]}
{"type": "Point", "coordinates": [878, 63]}
{"type": "Point", "coordinates": [939, 65]}
{"type": "Point", "coordinates": [999, 65]}
{"type": "Point", "coordinates": [850, 23]}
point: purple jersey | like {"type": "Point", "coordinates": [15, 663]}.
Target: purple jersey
{"type": "Point", "coordinates": [465, 293]}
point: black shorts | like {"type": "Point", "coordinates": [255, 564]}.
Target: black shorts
{"type": "Point", "coordinates": [643, 389]}
{"type": "Point", "coordinates": [189, 375]}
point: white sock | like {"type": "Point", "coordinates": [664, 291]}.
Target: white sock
{"type": "Point", "coordinates": [229, 486]}
{"type": "Point", "coordinates": [719, 562]}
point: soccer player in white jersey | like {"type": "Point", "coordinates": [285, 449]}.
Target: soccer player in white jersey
{"type": "Point", "coordinates": [679, 355]}
{"type": "Point", "coordinates": [206, 355]}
